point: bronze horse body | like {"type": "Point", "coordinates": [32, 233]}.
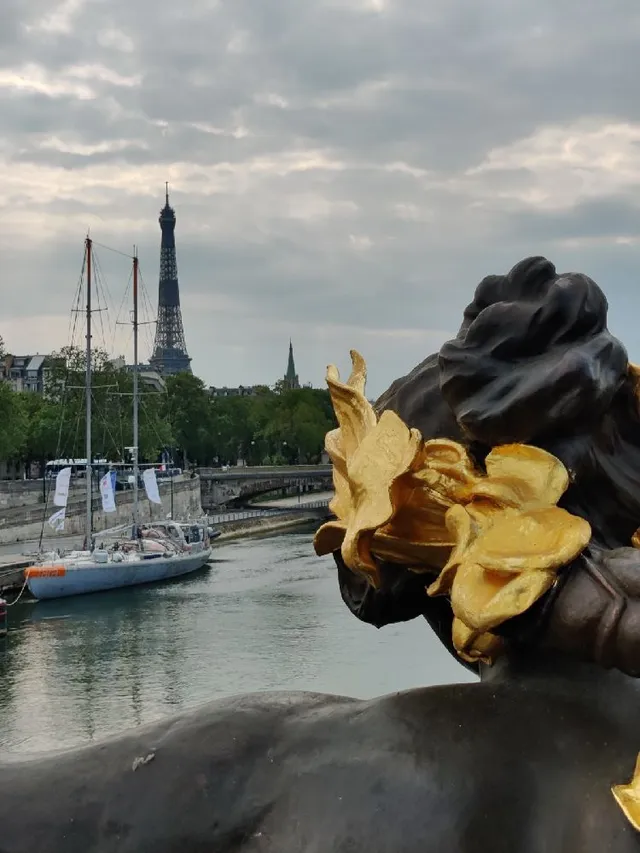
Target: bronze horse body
{"type": "Point", "coordinates": [514, 763]}
{"type": "Point", "coordinates": [521, 762]}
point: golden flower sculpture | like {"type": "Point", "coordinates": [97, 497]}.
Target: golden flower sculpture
{"type": "Point", "coordinates": [511, 540]}
{"type": "Point", "coordinates": [496, 538]}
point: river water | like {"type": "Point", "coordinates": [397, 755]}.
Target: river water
{"type": "Point", "coordinates": [267, 615]}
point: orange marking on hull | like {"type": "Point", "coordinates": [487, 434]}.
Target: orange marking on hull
{"type": "Point", "coordinates": [45, 572]}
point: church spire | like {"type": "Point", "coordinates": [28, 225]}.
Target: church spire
{"type": "Point", "coordinates": [291, 381]}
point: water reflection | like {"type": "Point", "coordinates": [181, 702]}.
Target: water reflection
{"type": "Point", "coordinates": [267, 615]}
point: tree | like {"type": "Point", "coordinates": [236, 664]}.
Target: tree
{"type": "Point", "coordinates": [112, 409]}
{"type": "Point", "coordinates": [289, 426]}
{"type": "Point", "coordinates": [13, 420]}
{"type": "Point", "coordinates": [269, 427]}
{"type": "Point", "coordinates": [188, 411]}
{"type": "Point", "coordinates": [43, 423]}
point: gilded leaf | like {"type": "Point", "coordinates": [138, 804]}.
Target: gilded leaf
{"type": "Point", "coordinates": [628, 797]}
{"type": "Point", "coordinates": [384, 454]}
{"type": "Point", "coordinates": [463, 531]}
{"type": "Point", "coordinates": [475, 647]}
{"type": "Point", "coordinates": [484, 599]}
{"type": "Point", "coordinates": [446, 469]}
{"type": "Point", "coordinates": [358, 378]}
{"type": "Point", "coordinates": [354, 413]}
{"type": "Point", "coordinates": [340, 504]}
{"type": "Point", "coordinates": [522, 476]}
{"type": "Point", "coordinates": [329, 538]}
{"type": "Point", "coordinates": [417, 555]}
{"type": "Point", "coordinates": [540, 539]}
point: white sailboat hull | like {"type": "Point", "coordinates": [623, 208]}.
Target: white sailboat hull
{"type": "Point", "coordinates": [60, 579]}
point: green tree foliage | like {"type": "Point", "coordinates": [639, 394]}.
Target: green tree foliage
{"type": "Point", "coordinates": [269, 428]}
{"type": "Point", "coordinates": [43, 427]}
{"type": "Point", "coordinates": [56, 422]}
{"type": "Point", "coordinates": [13, 420]}
{"type": "Point", "coordinates": [187, 412]}
{"type": "Point", "coordinates": [290, 426]}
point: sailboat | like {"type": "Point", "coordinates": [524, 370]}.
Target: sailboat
{"type": "Point", "coordinates": [151, 554]}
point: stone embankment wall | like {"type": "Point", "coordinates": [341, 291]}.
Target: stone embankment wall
{"type": "Point", "coordinates": [17, 493]}
{"type": "Point", "coordinates": [23, 523]}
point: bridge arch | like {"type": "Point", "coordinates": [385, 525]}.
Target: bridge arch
{"type": "Point", "coordinates": [222, 488]}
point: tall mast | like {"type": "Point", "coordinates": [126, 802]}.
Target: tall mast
{"type": "Point", "coordinates": [88, 381]}
{"type": "Point", "coordinates": [135, 394]}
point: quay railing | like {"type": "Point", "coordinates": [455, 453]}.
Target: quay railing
{"type": "Point", "coordinates": [243, 514]}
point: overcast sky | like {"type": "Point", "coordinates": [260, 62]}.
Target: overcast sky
{"type": "Point", "coordinates": [344, 172]}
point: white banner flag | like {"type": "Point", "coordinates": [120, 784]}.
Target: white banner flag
{"type": "Point", "coordinates": [107, 494]}
{"type": "Point", "coordinates": [62, 487]}
{"type": "Point", "coordinates": [57, 520]}
{"type": "Point", "coordinates": [151, 486]}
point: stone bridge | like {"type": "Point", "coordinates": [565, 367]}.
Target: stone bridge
{"type": "Point", "coordinates": [224, 487]}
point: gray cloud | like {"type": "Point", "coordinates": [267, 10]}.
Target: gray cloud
{"type": "Point", "coordinates": [343, 172]}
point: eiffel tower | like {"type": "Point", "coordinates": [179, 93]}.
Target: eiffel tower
{"type": "Point", "coordinates": [169, 349]}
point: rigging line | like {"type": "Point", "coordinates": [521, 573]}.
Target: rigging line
{"type": "Point", "coordinates": [115, 251]}
{"type": "Point", "coordinates": [145, 292]}
{"type": "Point", "coordinates": [118, 414]}
{"type": "Point", "coordinates": [101, 290]}
{"type": "Point", "coordinates": [47, 491]}
{"type": "Point", "coordinates": [101, 409]}
{"type": "Point", "coordinates": [106, 431]}
{"type": "Point", "coordinates": [121, 425]}
{"type": "Point", "coordinates": [142, 393]}
{"type": "Point", "coordinates": [78, 401]}
{"type": "Point", "coordinates": [147, 306]}
{"type": "Point", "coordinates": [98, 294]}
{"type": "Point", "coordinates": [63, 397]}
{"type": "Point", "coordinates": [95, 408]}
{"type": "Point", "coordinates": [108, 298]}
{"type": "Point", "coordinates": [141, 294]}
{"type": "Point", "coordinates": [119, 313]}
{"type": "Point", "coordinates": [62, 401]}
{"type": "Point", "coordinates": [73, 320]}
{"type": "Point", "coordinates": [73, 450]}
{"type": "Point", "coordinates": [151, 423]}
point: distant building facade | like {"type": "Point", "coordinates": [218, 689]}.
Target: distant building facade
{"type": "Point", "coordinates": [240, 391]}
{"type": "Point", "coordinates": [149, 378]}
{"type": "Point", "coordinates": [26, 372]}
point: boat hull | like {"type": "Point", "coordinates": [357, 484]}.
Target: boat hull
{"type": "Point", "coordinates": [60, 581]}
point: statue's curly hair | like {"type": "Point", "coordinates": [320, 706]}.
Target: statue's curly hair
{"type": "Point", "coordinates": [534, 357]}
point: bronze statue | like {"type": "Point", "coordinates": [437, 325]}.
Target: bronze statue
{"type": "Point", "coordinates": [495, 491]}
